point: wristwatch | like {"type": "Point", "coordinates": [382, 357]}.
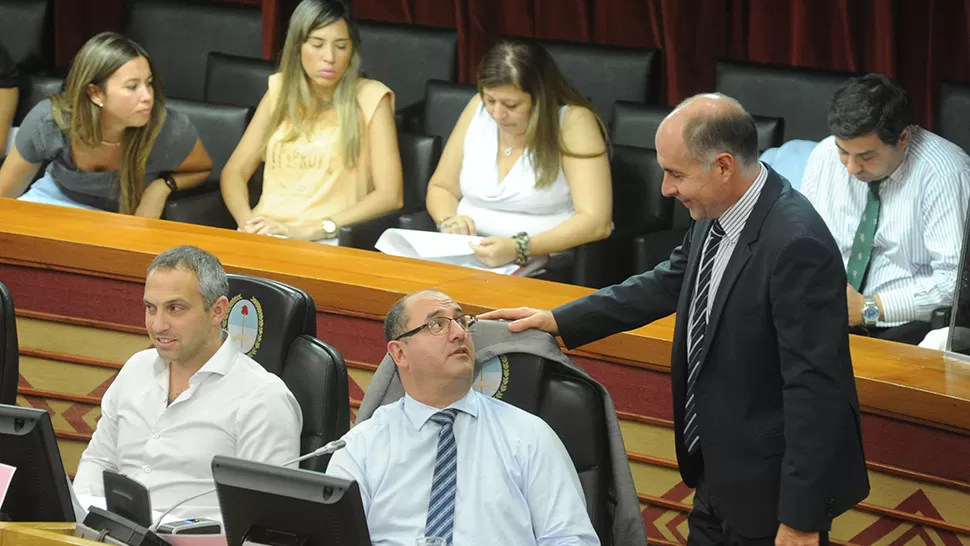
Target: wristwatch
{"type": "Point", "coordinates": [329, 228]}
{"type": "Point", "coordinates": [870, 311]}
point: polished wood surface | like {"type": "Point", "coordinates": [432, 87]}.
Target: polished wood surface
{"type": "Point", "coordinates": [40, 534]}
{"type": "Point", "coordinates": [902, 381]}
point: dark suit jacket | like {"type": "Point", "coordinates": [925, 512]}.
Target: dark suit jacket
{"type": "Point", "coordinates": [776, 399]}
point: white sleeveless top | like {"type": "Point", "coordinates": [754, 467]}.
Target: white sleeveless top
{"type": "Point", "coordinates": [515, 204]}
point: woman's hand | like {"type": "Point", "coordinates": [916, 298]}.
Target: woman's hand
{"type": "Point", "coordinates": [262, 225]}
{"type": "Point", "coordinates": [461, 224]}
{"type": "Point", "coordinates": [495, 251]}
{"type": "Point", "coordinates": [153, 200]}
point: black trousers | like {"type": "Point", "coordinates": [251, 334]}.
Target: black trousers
{"type": "Point", "coordinates": [911, 333]}
{"type": "Point", "coordinates": [706, 527]}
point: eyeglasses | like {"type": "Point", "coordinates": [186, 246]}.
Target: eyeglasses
{"type": "Point", "coordinates": [440, 325]}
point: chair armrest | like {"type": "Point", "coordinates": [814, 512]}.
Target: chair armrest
{"type": "Point", "coordinates": [365, 234]}
{"type": "Point", "coordinates": [421, 221]}
{"type": "Point", "coordinates": [940, 318]}
{"type": "Point", "coordinates": [203, 207]}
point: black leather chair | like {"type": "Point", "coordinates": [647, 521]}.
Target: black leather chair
{"type": "Point", "coordinates": [953, 114]}
{"type": "Point", "coordinates": [404, 57]}
{"type": "Point", "coordinates": [9, 351]}
{"type": "Point", "coordinates": [444, 103]}
{"type": "Point", "coordinates": [636, 125]}
{"type": "Point", "coordinates": [240, 81]}
{"type": "Point", "coordinates": [27, 31]}
{"type": "Point", "coordinates": [606, 74]}
{"type": "Point", "coordinates": [179, 34]}
{"type": "Point", "coordinates": [33, 89]}
{"type": "Point", "coordinates": [220, 128]}
{"type": "Point", "coordinates": [650, 249]}
{"type": "Point", "coordinates": [419, 158]}
{"type": "Point", "coordinates": [285, 344]}
{"type": "Point", "coordinates": [798, 95]}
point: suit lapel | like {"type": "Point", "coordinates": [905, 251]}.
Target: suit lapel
{"type": "Point", "coordinates": [741, 255]}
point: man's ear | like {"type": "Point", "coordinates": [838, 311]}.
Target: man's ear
{"type": "Point", "coordinates": [219, 310]}
{"type": "Point", "coordinates": [396, 350]}
{"type": "Point", "coordinates": [726, 165]}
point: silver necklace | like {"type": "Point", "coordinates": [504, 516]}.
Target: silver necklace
{"type": "Point", "coordinates": [112, 144]}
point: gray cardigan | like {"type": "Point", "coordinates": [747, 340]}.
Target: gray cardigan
{"type": "Point", "coordinates": [492, 339]}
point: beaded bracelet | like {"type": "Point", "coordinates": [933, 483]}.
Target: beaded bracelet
{"type": "Point", "coordinates": [521, 248]}
{"type": "Point", "coordinates": [444, 222]}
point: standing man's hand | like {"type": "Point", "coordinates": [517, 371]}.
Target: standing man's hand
{"type": "Point", "coordinates": [856, 301]}
{"type": "Point", "coordinates": [524, 318]}
{"type": "Point", "coordinates": [790, 537]}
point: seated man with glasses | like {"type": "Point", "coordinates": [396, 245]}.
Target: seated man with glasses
{"type": "Point", "coordinates": [446, 461]}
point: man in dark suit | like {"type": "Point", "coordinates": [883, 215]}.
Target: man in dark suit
{"type": "Point", "coordinates": [766, 414]}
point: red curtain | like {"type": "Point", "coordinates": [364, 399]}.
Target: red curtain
{"type": "Point", "coordinates": [920, 43]}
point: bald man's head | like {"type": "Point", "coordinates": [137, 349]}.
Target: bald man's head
{"type": "Point", "coordinates": [710, 124]}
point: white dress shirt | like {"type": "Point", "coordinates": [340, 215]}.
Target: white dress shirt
{"type": "Point", "coordinates": [923, 207]}
{"type": "Point", "coordinates": [516, 482]}
{"type": "Point", "coordinates": [732, 222]}
{"type": "Point", "coordinates": [233, 407]}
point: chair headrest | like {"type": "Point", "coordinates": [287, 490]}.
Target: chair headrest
{"type": "Point", "coordinates": [953, 119]}
{"type": "Point", "coordinates": [236, 80]}
{"type": "Point", "coordinates": [265, 316]}
{"type": "Point", "coordinates": [443, 104]}
{"type": "Point", "coordinates": [28, 30]}
{"type": "Point", "coordinates": [220, 128]}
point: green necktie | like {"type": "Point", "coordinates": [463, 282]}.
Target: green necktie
{"type": "Point", "coordinates": [862, 243]}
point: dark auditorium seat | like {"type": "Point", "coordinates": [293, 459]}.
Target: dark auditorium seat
{"type": "Point", "coordinates": [27, 32]}
{"type": "Point", "coordinates": [798, 95]}
{"type": "Point", "coordinates": [606, 74]}
{"type": "Point", "coordinates": [444, 103]}
{"type": "Point", "coordinates": [953, 114]}
{"type": "Point", "coordinates": [179, 34]}
{"type": "Point", "coordinates": [220, 128]}
{"type": "Point", "coordinates": [636, 125]}
{"type": "Point", "coordinates": [651, 249]}
{"type": "Point", "coordinates": [285, 344]}
{"type": "Point", "coordinates": [419, 157]}
{"type": "Point", "coordinates": [9, 352]}
{"type": "Point", "coordinates": [34, 89]}
{"type": "Point", "coordinates": [240, 81]}
{"type": "Point", "coordinates": [403, 57]}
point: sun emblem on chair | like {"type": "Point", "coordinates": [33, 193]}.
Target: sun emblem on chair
{"type": "Point", "coordinates": [244, 322]}
{"type": "Point", "coordinates": [493, 378]}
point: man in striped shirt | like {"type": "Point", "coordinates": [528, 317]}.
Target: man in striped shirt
{"type": "Point", "coordinates": [895, 198]}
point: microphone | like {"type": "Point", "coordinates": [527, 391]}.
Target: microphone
{"type": "Point", "coordinates": [327, 449]}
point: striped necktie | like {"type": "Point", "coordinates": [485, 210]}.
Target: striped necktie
{"type": "Point", "coordinates": [862, 243]}
{"type": "Point", "coordinates": [441, 506]}
{"type": "Point", "coordinates": [698, 328]}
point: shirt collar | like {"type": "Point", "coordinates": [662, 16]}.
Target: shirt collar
{"type": "Point", "coordinates": [220, 363]}
{"type": "Point", "coordinates": [419, 413]}
{"type": "Point", "coordinates": [734, 218]}
{"type": "Point", "coordinates": [899, 174]}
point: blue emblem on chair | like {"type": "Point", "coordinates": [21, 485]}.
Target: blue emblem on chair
{"type": "Point", "coordinates": [245, 324]}
{"type": "Point", "coordinates": [493, 378]}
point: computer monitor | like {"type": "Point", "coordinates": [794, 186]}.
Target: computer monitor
{"type": "Point", "coordinates": [39, 490]}
{"type": "Point", "coordinates": [276, 506]}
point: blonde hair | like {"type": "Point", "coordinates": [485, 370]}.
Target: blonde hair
{"type": "Point", "coordinates": [296, 103]}
{"type": "Point", "coordinates": [77, 115]}
{"type": "Point", "coordinates": [529, 67]}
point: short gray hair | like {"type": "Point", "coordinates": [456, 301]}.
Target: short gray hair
{"type": "Point", "coordinates": [727, 130]}
{"type": "Point", "coordinates": [213, 282]}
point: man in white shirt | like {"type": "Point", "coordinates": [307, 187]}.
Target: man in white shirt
{"type": "Point", "coordinates": [193, 396]}
{"type": "Point", "coordinates": [449, 462]}
{"type": "Point", "coordinates": [895, 197]}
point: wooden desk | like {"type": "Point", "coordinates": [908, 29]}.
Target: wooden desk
{"type": "Point", "coordinates": [41, 534]}
{"type": "Point", "coordinates": [67, 265]}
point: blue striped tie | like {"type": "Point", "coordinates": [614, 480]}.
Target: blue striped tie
{"type": "Point", "coordinates": [441, 506]}
{"type": "Point", "coordinates": [698, 327]}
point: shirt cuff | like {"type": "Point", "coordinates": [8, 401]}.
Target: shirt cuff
{"type": "Point", "coordinates": [898, 306]}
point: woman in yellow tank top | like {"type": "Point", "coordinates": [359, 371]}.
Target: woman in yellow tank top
{"type": "Point", "coordinates": [326, 135]}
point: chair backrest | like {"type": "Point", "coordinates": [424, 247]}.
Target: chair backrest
{"type": "Point", "coordinates": [636, 125]}
{"type": "Point", "coordinates": [607, 73]}
{"type": "Point", "coordinates": [9, 351]}
{"type": "Point", "coordinates": [419, 158]}
{"type": "Point", "coordinates": [236, 80]}
{"type": "Point", "coordinates": [27, 31]}
{"type": "Point", "coordinates": [220, 127]}
{"type": "Point", "coordinates": [953, 116]}
{"type": "Point", "coordinates": [638, 205]}
{"type": "Point", "coordinates": [34, 89]}
{"type": "Point", "coordinates": [574, 408]}
{"type": "Point", "coordinates": [317, 376]}
{"type": "Point", "coordinates": [291, 313]}
{"type": "Point", "coordinates": [443, 105]}
{"type": "Point", "coordinates": [798, 95]}
{"type": "Point", "coordinates": [404, 57]}
{"type": "Point", "coordinates": [179, 34]}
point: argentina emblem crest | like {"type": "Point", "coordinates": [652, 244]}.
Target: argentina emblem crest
{"type": "Point", "coordinates": [244, 322]}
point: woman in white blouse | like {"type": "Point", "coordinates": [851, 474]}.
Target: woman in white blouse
{"type": "Point", "coordinates": [526, 165]}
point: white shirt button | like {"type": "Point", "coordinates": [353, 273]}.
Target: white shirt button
{"type": "Point", "coordinates": [147, 470]}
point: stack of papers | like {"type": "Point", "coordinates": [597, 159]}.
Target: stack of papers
{"type": "Point", "coordinates": [446, 248]}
